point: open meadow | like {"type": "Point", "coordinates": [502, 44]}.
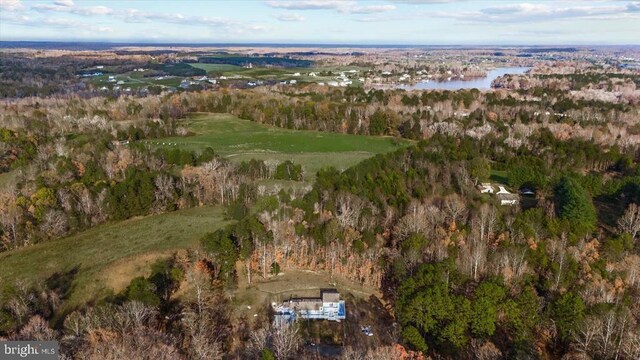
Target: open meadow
{"type": "Point", "coordinates": [104, 259]}
{"type": "Point", "coordinates": [241, 140]}
{"type": "Point", "coordinates": [272, 73]}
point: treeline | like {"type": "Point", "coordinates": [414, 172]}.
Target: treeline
{"type": "Point", "coordinates": [80, 180]}
{"type": "Point", "coordinates": [376, 112]}
{"type": "Point", "coordinates": [264, 61]}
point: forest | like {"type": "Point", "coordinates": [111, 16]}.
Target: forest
{"type": "Point", "coordinates": [459, 274]}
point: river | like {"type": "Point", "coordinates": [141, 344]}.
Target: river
{"type": "Point", "coordinates": [483, 83]}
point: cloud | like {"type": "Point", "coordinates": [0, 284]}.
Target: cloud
{"type": "Point", "coordinates": [93, 10]}
{"type": "Point", "coordinates": [385, 18]}
{"type": "Point", "coordinates": [311, 4]}
{"type": "Point", "coordinates": [527, 12]}
{"type": "Point", "coordinates": [67, 3]}
{"type": "Point", "coordinates": [11, 5]}
{"type": "Point", "coordinates": [342, 6]}
{"type": "Point", "coordinates": [137, 16]}
{"type": "Point", "coordinates": [371, 9]}
{"type": "Point", "coordinates": [289, 17]}
{"type": "Point", "coordinates": [68, 7]}
{"type": "Point", "coordinates": [418, 2]}
{"type": "Point", "coordinates": [633, 7]}
{"type": "Point", "coordinates": [52, 22]}
{"type": "Point", "coordinates": [222, 25]}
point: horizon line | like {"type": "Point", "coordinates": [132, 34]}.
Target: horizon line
{"type": "Point", "coordinates": [300, 44]}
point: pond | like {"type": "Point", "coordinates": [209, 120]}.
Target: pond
{"type": "Point", "coordinates": [483, 83]}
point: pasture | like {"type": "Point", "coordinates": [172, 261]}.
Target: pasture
{"type": "Point", "coordinates": [274, 73]}
{"type": "Point", "coordinates": [104, 259]}
{"type": "Point", "coordinates": [241, 140]}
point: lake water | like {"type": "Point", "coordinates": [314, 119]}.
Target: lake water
{"type": "Point", "coordinates": [457, 84]}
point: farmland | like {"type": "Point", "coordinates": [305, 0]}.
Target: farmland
{"type": "Point", "coordinates": [105, 258]}
{"type": "Point", "coordinates": [322, 74]}
{"type": "Point", "coordinates": [240, 140]}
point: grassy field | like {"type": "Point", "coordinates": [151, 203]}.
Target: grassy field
{"type": "Point", "coordinates": [217, 67]}
{"type": "Point", "coordinates": [274, 73]}
{"type": "Point", "coordinates": [105, 258]}
{"type": "Point", "coordinates": [240, 140]}
{"type": "Point", "coordinates": [499, 176]}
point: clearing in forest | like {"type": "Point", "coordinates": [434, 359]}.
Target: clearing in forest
{"type": "Point", "coordinates": [91, 263]}
{"type": "Point", "coordinates": [241, 140]}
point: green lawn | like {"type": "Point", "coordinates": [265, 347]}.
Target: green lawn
{"type": "Point", "coordinates": [108, 256]}
{"type": "Point", "coordinates": [240, 140]}
{"type": "Point", "coordinates": [499, 176]}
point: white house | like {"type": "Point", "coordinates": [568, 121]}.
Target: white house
{"type": "Point", "coordinates": [328, 306]}
{"type": "Point", "coordinates": [509, 202]}
{"type": "Point", "coordinates": [486, 188]}
{"type": "Point", "coordinates": [507, 198]}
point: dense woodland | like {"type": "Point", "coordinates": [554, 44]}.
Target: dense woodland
{"type": "Point", "coordinates": [557, 277]}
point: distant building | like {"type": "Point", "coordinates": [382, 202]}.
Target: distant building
{"type": "Point", "coordinates": [486, 188]}
{"type": "Point", "coordinates": [328, 306]}
{"type": "Point", "coordinates": [507, 198]}
{"type": "Point", "coordinates": [527, 192]}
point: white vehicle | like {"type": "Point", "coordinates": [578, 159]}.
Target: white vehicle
{"type": "Point", "coordinates": [366, 330]}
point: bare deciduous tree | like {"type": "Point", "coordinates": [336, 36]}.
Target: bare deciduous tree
{"type": "Point", "coordinates": [37, 329]}
{"type": "Point", "coordinates": [349, 209]}
{"type": "Point", "coordinates": [630, 221]}
{"type": "Point", "coordinates": [285, 341]}
{"type": "Point", "coordinates": [455, 208]}
{"type": "Point", "coordinates": [54, 223]}
{"type": "Point", "coordinates": [164, 190]}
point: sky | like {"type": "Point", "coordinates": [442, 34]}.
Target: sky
{"type": "Point", "coordinates": [392, 22]}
